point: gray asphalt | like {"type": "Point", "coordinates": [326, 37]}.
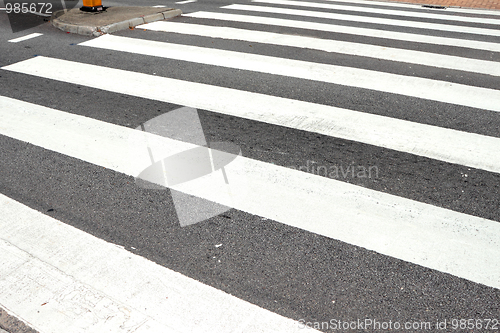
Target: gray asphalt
{"type": "Point", "coordinates": [289, 271]}
{"type": "Point", "coordinates": [13, 324]}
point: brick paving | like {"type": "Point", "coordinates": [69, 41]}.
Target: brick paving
{"type": "Point", "coordinates": [485, 4]}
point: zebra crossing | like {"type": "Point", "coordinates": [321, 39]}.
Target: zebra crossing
{"type": "Point", "coordinates": [395, 35]}
{"type": "Point", "coordinates": [371, 81]}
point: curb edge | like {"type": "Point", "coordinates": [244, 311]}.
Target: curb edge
{"type": "Point", "coordinates": [87, 30]}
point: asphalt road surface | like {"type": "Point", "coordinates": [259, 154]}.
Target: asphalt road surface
{"type": "Point", "coordinates": [355, 186]}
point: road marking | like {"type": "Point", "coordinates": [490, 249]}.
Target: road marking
{"type": "Point", "coordinates": [159, 6]}
{"type": "Point", "coordinates": [88, 285]}
{"type": "Point", "coordinates": [185, 2]}
{"type": "Point", "coordinates": [372, 10]}
{"type": "Point", "coordinates": [437, 238]}
{"type": "Point", "coordinates": [356, 49]}
{"type": "Point", "coordinates": [367, 19]}
{"type": "Point", "coordinates": [477, 11]}
{"type": "Point", "coordinates": [473, 150]}
{"type": "Point", "coordinates": [472, 44]}
{"type": "Point", "coordinates": [417, 6]}
{"type": "Point", "coordinates": [23, 38]}
{"type": "Point", "coordinates": [441, 91]}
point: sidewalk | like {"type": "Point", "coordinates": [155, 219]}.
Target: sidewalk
{"type": "Point", "coordinates": [110, 20]}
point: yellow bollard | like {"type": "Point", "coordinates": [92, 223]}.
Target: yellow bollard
{"type": "Point", "coordinates": [92, 6]}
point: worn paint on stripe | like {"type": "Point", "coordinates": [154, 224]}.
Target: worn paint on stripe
{"type": "Point", "coordinates": [23, 38]}
{"type": "Point", "coordinates": [371, 10]}
{"type": "Point", "coordinates": [441, 239]}
{"type": "Point", "coordinates": [60, 279]}
{"type": "Point", "coordinates": [402, 36]}
{"type": "Point", "coordinates": [356, 49]}
{"type": "Point", "coordinates": [367, 19]}
{"type": "Point", "coordinates": [441, 91]}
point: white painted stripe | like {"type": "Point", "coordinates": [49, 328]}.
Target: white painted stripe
{"type": "Point", "coordinates": [185, 2]}
{"type": "Point", "coordinates": [476, 11]}
{"type": "Point", "coordinates": [159, 6]}
{"type": "Point", "coordinates": [373, 10]}
{"type": "Point", "coordinates": [495, 47]}
{"type": "Point", "coordinates": [477, 151]}
{"type": "Point", "coordinates": [23, 38]}
{"type": "Point", "coordinates": [60, 279]}
{"type": "Point", "coordinates": [451, 242]}
{"type": "Point", "coordinates": [441, 91]}
{"type": "Point", "coordinates": [356, 49]}
{"type": "Point", "coordinates": [366, 19]}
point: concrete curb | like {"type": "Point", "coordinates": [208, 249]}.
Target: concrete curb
{"type": "Point", "coordinates": [89, 30]}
